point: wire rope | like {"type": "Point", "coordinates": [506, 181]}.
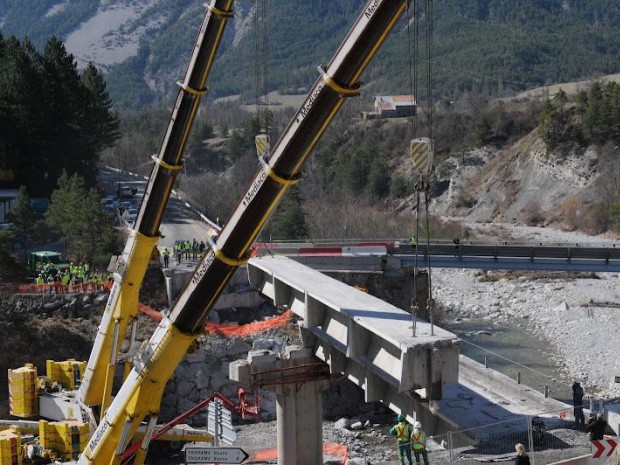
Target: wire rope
{"type": "Point", "coordinates": [265, 57]}
{"type": "Point", "coordinates": [256, 58]}
{"type": "Point", "coordinates": [514, 362]}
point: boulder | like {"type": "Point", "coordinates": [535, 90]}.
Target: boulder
{"type": "Point", "coordinates": [343, 423]}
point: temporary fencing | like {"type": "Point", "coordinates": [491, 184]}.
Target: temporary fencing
{"type": "Point", "coordinates": [214, 328]}
{"type": "Point", "coordinates": [58, 288]}
{"type": "Point", "coordinates": [548, 431]}
{"type": "Point", "coordinates": [231, 330]}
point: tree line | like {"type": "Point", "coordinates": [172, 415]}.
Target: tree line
{"type": "Point", "coordinates": [593, 117]}
{"type": "Point", "coordinates": [53, 117]}
{"type": "Point", "coordinates": [55, 121]}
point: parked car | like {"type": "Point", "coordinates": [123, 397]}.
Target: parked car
{"type": "Point", "coordinates": [126, 192]}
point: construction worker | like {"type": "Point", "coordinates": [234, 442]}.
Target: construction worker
{"type": "Point", "coordinates": [402, 431]}
{"type": "Point", "coordinates": [178, 251]}
{"type": "Point", "coordinates": [166, 255]}
{"type": "Point", "coordinates": [418, 443]}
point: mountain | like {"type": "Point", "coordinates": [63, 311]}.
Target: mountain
{"type": "Point", "coordinates": [494, 47]}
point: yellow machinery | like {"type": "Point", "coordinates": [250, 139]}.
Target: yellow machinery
{"type": "Point", "coordinates": [129, 268]}
{"type": "Point", "coordinates": [140, 396]}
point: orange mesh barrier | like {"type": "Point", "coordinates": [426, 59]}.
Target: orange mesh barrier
{"type": "Point", "coordinates": [154, 314]}
{"type": "Point", "coordinates": [251, 328]}
{"type": "Point", "coordinates": [215, 328]}
{"type": "Point", "coordinates": [329, 448]}
{"type": "Point", "coordinates": [58, 288]}
{"type": "Point", "coordinates": [231, 330]}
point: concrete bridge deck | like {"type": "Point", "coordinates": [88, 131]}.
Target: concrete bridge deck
{"type": "Point", "coordinates": [368, 340]}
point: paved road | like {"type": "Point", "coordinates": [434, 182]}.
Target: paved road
{"type": "Point", "coordinates": [180, 221]}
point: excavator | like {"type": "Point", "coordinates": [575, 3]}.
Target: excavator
{"type": "Point", "coordinates": [138, 399]}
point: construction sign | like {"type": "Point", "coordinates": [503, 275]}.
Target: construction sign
{"type": "Point", "coordinates": [421, 152]}
{"type": "Point", "coordinates": [603, 447]}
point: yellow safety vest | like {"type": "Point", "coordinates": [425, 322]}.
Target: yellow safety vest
{"type": "Point", "coordinates": [419, 440]}
{"type": "Point", "coordinates": [401, 432]}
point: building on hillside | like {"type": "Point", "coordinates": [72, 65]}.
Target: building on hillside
{"type": "Point", "coordinates": [392, 106]}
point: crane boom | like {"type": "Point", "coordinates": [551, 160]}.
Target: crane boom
{"type": "Point", "coordinates": [122, 305]}
{"type": "Point", "coordinates": [140, 395]}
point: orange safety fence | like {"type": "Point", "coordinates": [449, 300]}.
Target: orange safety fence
{"type": "Point", "coordinates": [58, 288]}
{"type": "Point", "coordinates": [329, 448]}
{"type": "Point", "coordinates": [250, 328]}
{"type": "Point", "coordinates": [231, 330]}
{"type": "Point", "coordinates": [215, 328]}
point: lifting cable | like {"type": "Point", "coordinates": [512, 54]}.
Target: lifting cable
{"type": "Point", "coordinates": [421, 150]}
{"type": "Point", "coordinates": [261, 64]}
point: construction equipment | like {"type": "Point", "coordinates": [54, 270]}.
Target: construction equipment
{"type": "Point", "coordinates": [139, 397]}
{"type": "Point", "coordinates": [130, 267]}
{"type": "Point", "coordinates": [53, 397]}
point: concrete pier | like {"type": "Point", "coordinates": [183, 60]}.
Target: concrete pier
{"type": "Point", "coordinates": [298, 379]}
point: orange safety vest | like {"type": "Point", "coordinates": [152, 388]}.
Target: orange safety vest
{"type": "Point", "coordinates": [419, 440]}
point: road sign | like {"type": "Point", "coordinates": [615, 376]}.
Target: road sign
{"type": "Point", "coordinates": [603, 447]}
{"type": "Point", "coordinates": [215, 455]}
{"type": "Point", "coordinates": [219, 423]}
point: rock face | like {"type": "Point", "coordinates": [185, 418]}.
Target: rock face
{"type": "Point", "coordinates": [205, 371]}
{"type": "Point", "coordinates": [520, 183]}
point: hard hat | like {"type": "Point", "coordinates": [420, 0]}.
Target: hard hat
{"type": "Point", "coordinates": [417, 425]}
{"type": "Point", "coordinates": [577, 379]}
{"type": "Point", "coordinates": [401, 417]}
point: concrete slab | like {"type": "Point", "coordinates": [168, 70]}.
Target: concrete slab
{"type": "Point", "coordinates": [361, 336]}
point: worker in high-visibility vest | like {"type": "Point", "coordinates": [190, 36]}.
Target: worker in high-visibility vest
{"type": "Point", "coordinates": [402, 431]}
{"type": "Point", "coordinates": [418, 443]}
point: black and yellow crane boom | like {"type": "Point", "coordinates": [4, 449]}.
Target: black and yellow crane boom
{"type": "Point", "coordinates": [122, 305]}
{"type": "Point", "coordinates": [140, 396]}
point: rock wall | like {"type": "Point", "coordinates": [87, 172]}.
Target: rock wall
{"type": "Point", "coordinates": [205, 371]}
{"type": "Point", "coordinates": [199, 375]}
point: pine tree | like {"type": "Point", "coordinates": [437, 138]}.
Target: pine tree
{"type": "Point", "coordinates": [289, 220]}
{"type": "Point", "coordinates": [75, 213]}
{"type": "Point", "coordinates": [68, 148]}
{"type": "Point", "coordinates": [23, 216]}
{"type": "Point", "coordinates": [101, 121]}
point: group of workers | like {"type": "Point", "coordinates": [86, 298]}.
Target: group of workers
{"type": "Point", "coordinates": [409, 439]}
{"type": "Point", "coordinates": [184, 250]}
{"type": "Point", "coordinates": [73, 275]}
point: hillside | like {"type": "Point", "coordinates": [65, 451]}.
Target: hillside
{"type": "Point", "coordinates": [525, 184]}
{"type": "Point", "coordinates": [494, 47]}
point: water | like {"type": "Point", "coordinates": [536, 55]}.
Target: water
{"type": "Point", "coordinates": [512, 349]}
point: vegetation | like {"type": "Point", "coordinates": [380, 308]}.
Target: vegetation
{"type": "Point", "coordinates": [77, 215]}
{"type": "Point", "coordinates": [288, 221]}
{"type": "Point", "coordinates": [52, 118]}
{"type": "Point", "coordinates": [489, 47]}
{"type": "Point", "coordinates": [593, 118]}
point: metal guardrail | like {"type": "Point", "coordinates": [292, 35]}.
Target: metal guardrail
{"type": "Point", "coordinates": [445, 254]}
